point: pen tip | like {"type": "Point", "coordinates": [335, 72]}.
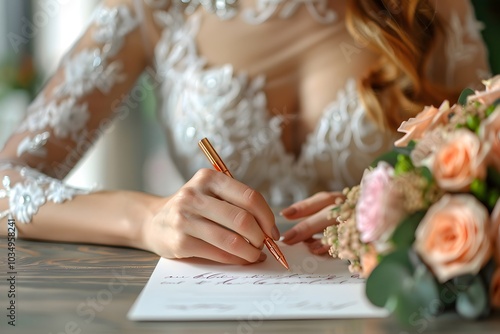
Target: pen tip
{"type": "Point", "coordinates": [285, 264]}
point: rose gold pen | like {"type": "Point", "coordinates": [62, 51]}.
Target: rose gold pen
{"type": "Point", "coordinates": [219, 165]}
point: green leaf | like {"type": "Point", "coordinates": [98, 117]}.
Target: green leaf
{"type": "Point", "coordinates": [404, 234]}
{"type": "Point", "coordinates": [426, 173]}
{"type": "Point", "coordinates": [407, 149]}
{"type": "Point", "coordinates": [479, 188]}
{"type": "Point", "coordinates": [448, 294]}
{"type": "Point", "coordinates": [385, 283]}
{"type": "Point", "coordinates": [473, 122]}
{"type": "Point", "coordinates": [426, 289]}
{"type": "Point", "coordinates": [463, 96]}
{"type": "Point", "coordinates": [491, 109]}
{"type": "Point", "coordinates": [493, 196]}
{"type": "Point", "coordinates": [389, 277]}
{"type": "Point", "coordinates": [473, 302]}
{"type": "Point", "coordinates": [463, 282]}
{"type": "Point", "coordinates": [419, 299]}
{"type": "Point", "coordinates": [390, 157]}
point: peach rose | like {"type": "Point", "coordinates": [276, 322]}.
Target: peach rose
{"type": "Point", "coordinates": [491, 94]}
{"type": "Point", "coordinates": [379, 208]}
{"type": "Point", "coordinates": [453, 238]}
{"type": "Point", "coordinates": [369, 260]}
{"type": "Point", "coordinates": [490, 132]}
{"type": "Point", "coordinates": [426, 120]}
{"type": "Point", "coordinates": [495, 289]}
{"type": "Point", "coordinates": [458, 161]}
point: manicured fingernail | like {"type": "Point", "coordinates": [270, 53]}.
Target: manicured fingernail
{"type": "Point", "coordinates": [288, 211]}
{"type": "Point", "coordinates": [262, 257]}
{"type": "Point", "coordinates": [276, 233]}
{"type": "Point", "coordinates": [290, 234]}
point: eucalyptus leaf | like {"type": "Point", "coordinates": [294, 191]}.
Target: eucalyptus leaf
{"type": "Point", "coordinates": [448, 294]}
{"type": "Point", "coordinates": [462, 100]}
{"type": "Point", "coordinates": [463, 282]}
{"type": "Point", "coordinates": [426, 289]}
{"type": "Point", "coordinates": [419, 299]}
{"type": "Point", "coordinates": [386, 281]}
{"type": "Point", "coordinates": [389, 277]}
{"type": "Point", "coordinates": [404, 234]}
{"type": "Point", "coordinates": [473, 302]}
{"type": "Point", "coordinates": [406, 308]}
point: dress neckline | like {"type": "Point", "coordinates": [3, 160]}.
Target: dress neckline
{"type": "Point", "coordinates": [259, 12]}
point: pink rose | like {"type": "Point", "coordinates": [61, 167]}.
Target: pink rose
{"type": "Point", "coordinates": [453, 237]}
{"type": "Point", "coordinates": [425, 121]}
{"type": "Point", "coordinates": [490, 132]}
{"type": "Point", "coordinates": [458, 161]}
{"type": "Point", "coordinates": [379, 208]}
{"type": "Point", "coordinates": [495, 289]}
{"type": "Point", "coordinates": [490, 95]}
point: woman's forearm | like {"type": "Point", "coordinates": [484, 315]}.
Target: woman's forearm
{"type": "Point", "coordinates": [111, 218]}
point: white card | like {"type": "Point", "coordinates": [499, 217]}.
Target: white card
{"type": "Point", "coordinates": [314, 288]}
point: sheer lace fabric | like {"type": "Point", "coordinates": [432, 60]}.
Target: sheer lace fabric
{"type": "Point", "coordinates": [222, 101]}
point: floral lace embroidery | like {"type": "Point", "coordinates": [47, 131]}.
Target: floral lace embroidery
{"type": "Point", "coordinates": [88, 70]}
{"type": "Point", "coordinates": [25, 198]}
{"type": "Point", "coordinates": [35, 145]}
{"type": "Point", "coordinates": [66, 118]}
{"type": "Point", "coordinates": [238, 123]}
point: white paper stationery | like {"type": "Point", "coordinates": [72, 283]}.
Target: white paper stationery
{"type": "Point", "coordinates": [314, 288]}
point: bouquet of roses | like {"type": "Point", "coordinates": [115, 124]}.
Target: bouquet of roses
{"type": "Point", "coordinates": [423, 226]}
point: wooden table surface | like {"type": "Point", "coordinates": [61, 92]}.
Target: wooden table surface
{"type": "Point", "coordinates": [76, 289]}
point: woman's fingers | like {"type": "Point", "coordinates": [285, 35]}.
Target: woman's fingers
{"type": "Point", "coordinates": [215, 217]}
{"type": "Point", "coordinates": [178, 233]}
{"type": "Point", "coordinates": [196, 207]}
{"type": "Point", "coordinates": [310, 226]}
{"type": "Point", "coordinates": [221, 238]}
{"type": "Point", "coordinates": [240, 195]}
{"type": "Point", "coordinates": [218, 218]}
{"type": "Point", "coordinates": [310, 205]}
{"type": "Point", "coordinates": [201, 249]}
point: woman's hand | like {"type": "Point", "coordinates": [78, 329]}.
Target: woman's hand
{"type": "Point", "coordinates": [314, 214]}
{"type": "Point", "coordinates": [212, 216]}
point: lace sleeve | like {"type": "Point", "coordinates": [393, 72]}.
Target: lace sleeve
{"type": "Point", "coordinates": [77, 104]}
{"type": "Point", "coordinates": [461, 56]}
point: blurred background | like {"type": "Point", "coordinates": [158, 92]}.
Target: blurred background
{"type": "Point", "coordinates": [34, 35]}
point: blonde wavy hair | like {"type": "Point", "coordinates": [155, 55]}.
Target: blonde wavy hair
{"type": "Point", "coordinates": [404, 33]}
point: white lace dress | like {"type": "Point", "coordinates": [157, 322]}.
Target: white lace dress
{"type": "Point", "coordinates": [200, 99]}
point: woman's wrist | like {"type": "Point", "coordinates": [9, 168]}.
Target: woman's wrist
{"type": "Point", "coordinates": [139, 209]}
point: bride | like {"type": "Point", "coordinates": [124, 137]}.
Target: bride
{"type": "Point", "coordinates": [297, 95]}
